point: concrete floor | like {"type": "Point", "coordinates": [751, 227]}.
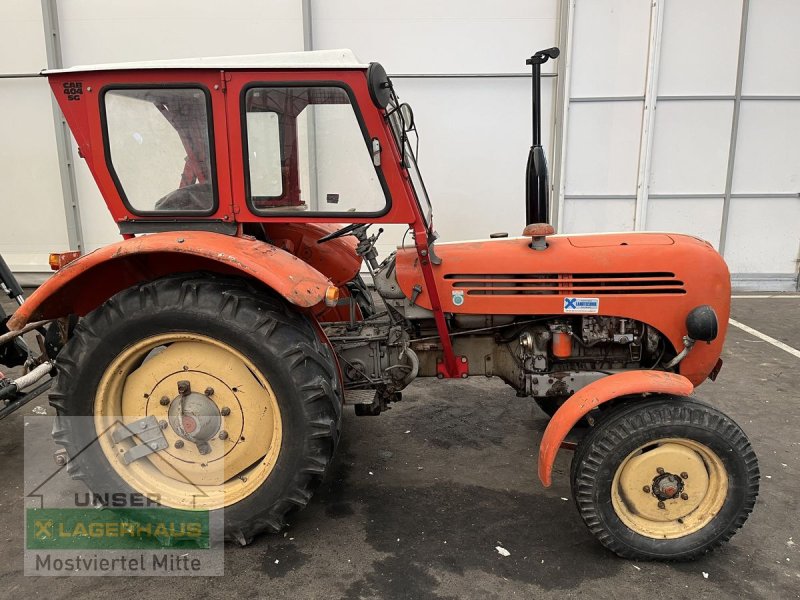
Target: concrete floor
{"type": "Point", "coordinates": [419, 497]}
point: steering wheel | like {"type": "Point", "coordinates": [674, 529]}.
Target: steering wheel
{"type": "Point", "coordinates": [340, 232]}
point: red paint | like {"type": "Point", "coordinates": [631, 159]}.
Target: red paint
{"type": "Point", "coordinates": [336, 259]}
{"type": "Point", "coordinates": [562, 345]}
{"type": "Point", "coordinates": [88, 281]}
{"type": "Point", "coordinates": [698, 269]}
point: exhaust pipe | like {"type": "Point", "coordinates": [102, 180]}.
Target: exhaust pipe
{"type": "Point", "coordinates": [537, 204]}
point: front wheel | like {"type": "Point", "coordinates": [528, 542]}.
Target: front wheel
{"type": "Point", "coordinates": [202, 393]}
{"type": "Point", "coordinates": [667, 478]}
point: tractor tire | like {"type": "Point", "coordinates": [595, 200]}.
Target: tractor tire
{"type": "Point", "coordinates": [267, 381]}
{"type": "Point", "coordinates": [664, 478]}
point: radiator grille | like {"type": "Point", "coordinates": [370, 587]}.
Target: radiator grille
{"type": "Point", "coordinates": [566, 284]}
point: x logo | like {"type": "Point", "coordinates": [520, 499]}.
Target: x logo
{"type": "Point", "coordinates": [570, 302]}
{"type": "Point", "coordinates": [44, 529]}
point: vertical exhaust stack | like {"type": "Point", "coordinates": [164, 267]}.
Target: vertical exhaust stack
{"type": "Point", "coordinates": [537, 205]}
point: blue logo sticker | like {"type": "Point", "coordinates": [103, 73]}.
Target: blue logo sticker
{"type": "Point", "coordinates": [581, 305]}
{"type": "Point", "coordinates": [458, 298]}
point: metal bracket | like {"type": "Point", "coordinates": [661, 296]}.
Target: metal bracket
{"type": "Point", "coordinates": [376, 152]}
{"type": "Point", "coordinates": [148, 430]}
{"type": "Point", "coordinates": [415, 292]}
{"type": "Point", "coordinates": [462, 368]}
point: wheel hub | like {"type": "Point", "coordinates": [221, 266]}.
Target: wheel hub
{"type": "Point", "coordinates": [194, 417]}
{"type": "Point", "coordinates": [667, 486]}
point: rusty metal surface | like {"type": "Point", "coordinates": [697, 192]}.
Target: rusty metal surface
{"type": "Point", "coordinates": [538, 229]}
{"type": "Point", "coordinates": [595, 394]}
{"type": "Point", "coordinates": [90, 280]}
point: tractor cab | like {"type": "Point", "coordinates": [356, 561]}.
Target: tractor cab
{"type": "Point", "coordinates": [215, 143]}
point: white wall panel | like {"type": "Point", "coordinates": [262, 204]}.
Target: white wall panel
{"type": "Point", "coordinates": [690, 147]}
{"type": "Point", "coordinates": [767, 151]}
{"type": "Point", "coordinates": [31, 203]}
{"type": "Point", "coordinates": [450, 36]}
{"type": "Point", "coordinates": [609, 52]}
{"type": "Point", "coordinates": [763, 235]}
{"type": "Point", "coordinates": [30, 197]}
{"type": "Point", "coordinates": [603, 147]}
{"type": "Point", "coordinates": [99, 228]}
{"type": "Point", "coordinates": [701, 217]}
{"type": "Point", "coordinates": [586, 215]}
{"type": "Point", "coordinates": [474, 141]}
{"type": "Point", "coordinates": [773, 48]}
{"type": "Point", "coordinates": [96, 31]}
{"type": "Point", "coordinates": [693, 61]}
{"type": "Point", "coordinates": [21, 37]}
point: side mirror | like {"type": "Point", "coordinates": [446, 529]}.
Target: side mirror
{"type": "Point", "coordinates": [408, 116]}
{"type": "Point", "coordinates": [702, 324]}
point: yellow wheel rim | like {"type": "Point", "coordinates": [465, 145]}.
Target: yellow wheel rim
{"type": "Point", "coordinates": [244, 437]}
{"type": "Point", "coordinates": [669, 488]}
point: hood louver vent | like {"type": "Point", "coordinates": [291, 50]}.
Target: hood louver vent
{"type": "Point", "coordinates": [575, 284]}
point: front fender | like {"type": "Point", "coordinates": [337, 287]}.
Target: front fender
{"type": "Point", "coordinates": [89, 281]}
{"type": "Point", "coordinates": [595, 394]}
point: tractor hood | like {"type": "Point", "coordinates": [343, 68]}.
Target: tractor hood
{"type": "Point", "coordinates": [655, 278]}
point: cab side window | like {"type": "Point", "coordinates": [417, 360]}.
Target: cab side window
{"type": "Point", "coordinates": [305, 151]}
{"type": "Point", "coordinates": [159, 149]}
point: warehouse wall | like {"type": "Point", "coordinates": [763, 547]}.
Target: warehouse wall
{"type": "Point", "coordinates": [31, 205]}
{"type": "Point", "coordinates": [670, 127]}
{"type": "Point", "coordinates": [475, 132]}
{"type": "Point", "coordinates": [657, 126]}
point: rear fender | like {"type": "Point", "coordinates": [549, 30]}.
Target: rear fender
{"type": "Point", "coordinates": [87, 282]}
{"type": "Point", "coordinates": [595, 394]}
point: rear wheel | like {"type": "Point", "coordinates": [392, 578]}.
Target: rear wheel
{"type": "Point", "coordinates": [232, 386]}
{"type": "Point", "coordinates": [666, 478]}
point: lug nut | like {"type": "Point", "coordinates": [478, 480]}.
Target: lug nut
{"type": "Point", "coordinates": [179, 444]}
{"type": "Point", "coordinates": [660, 470]}
{"type": "Point", "coordinates": [646, 489]}
{"type": "Point", "coordinates": [164, 400]}
{"type": "Point", "coordinates": [225, 411]}
{"type": "Point", "coordinates": [661, 505]}
{"type": "Point", "coordinates": [209, 391]}
{"type": "Point", "coordinates": [184, 387]}
{"type": "Point", "coordinates": [223, 435]}
{"type": "Point", "coordinates": [61, 457]}
{"type": "Point", "coordinates": [684, 475]}
{"type": "Point", "coordinates": [163, 424]}
{"type": "Point", "coordinates": [684, 496]}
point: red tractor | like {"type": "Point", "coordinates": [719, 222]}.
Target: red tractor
{"type": "Point", "coordinates": [214, 348]}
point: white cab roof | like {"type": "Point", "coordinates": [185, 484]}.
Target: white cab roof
{"type": "Point", "coordinates": [317, 59]}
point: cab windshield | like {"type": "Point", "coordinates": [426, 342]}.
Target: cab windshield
{"type": "Point", "coordinates": [401, 130]}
